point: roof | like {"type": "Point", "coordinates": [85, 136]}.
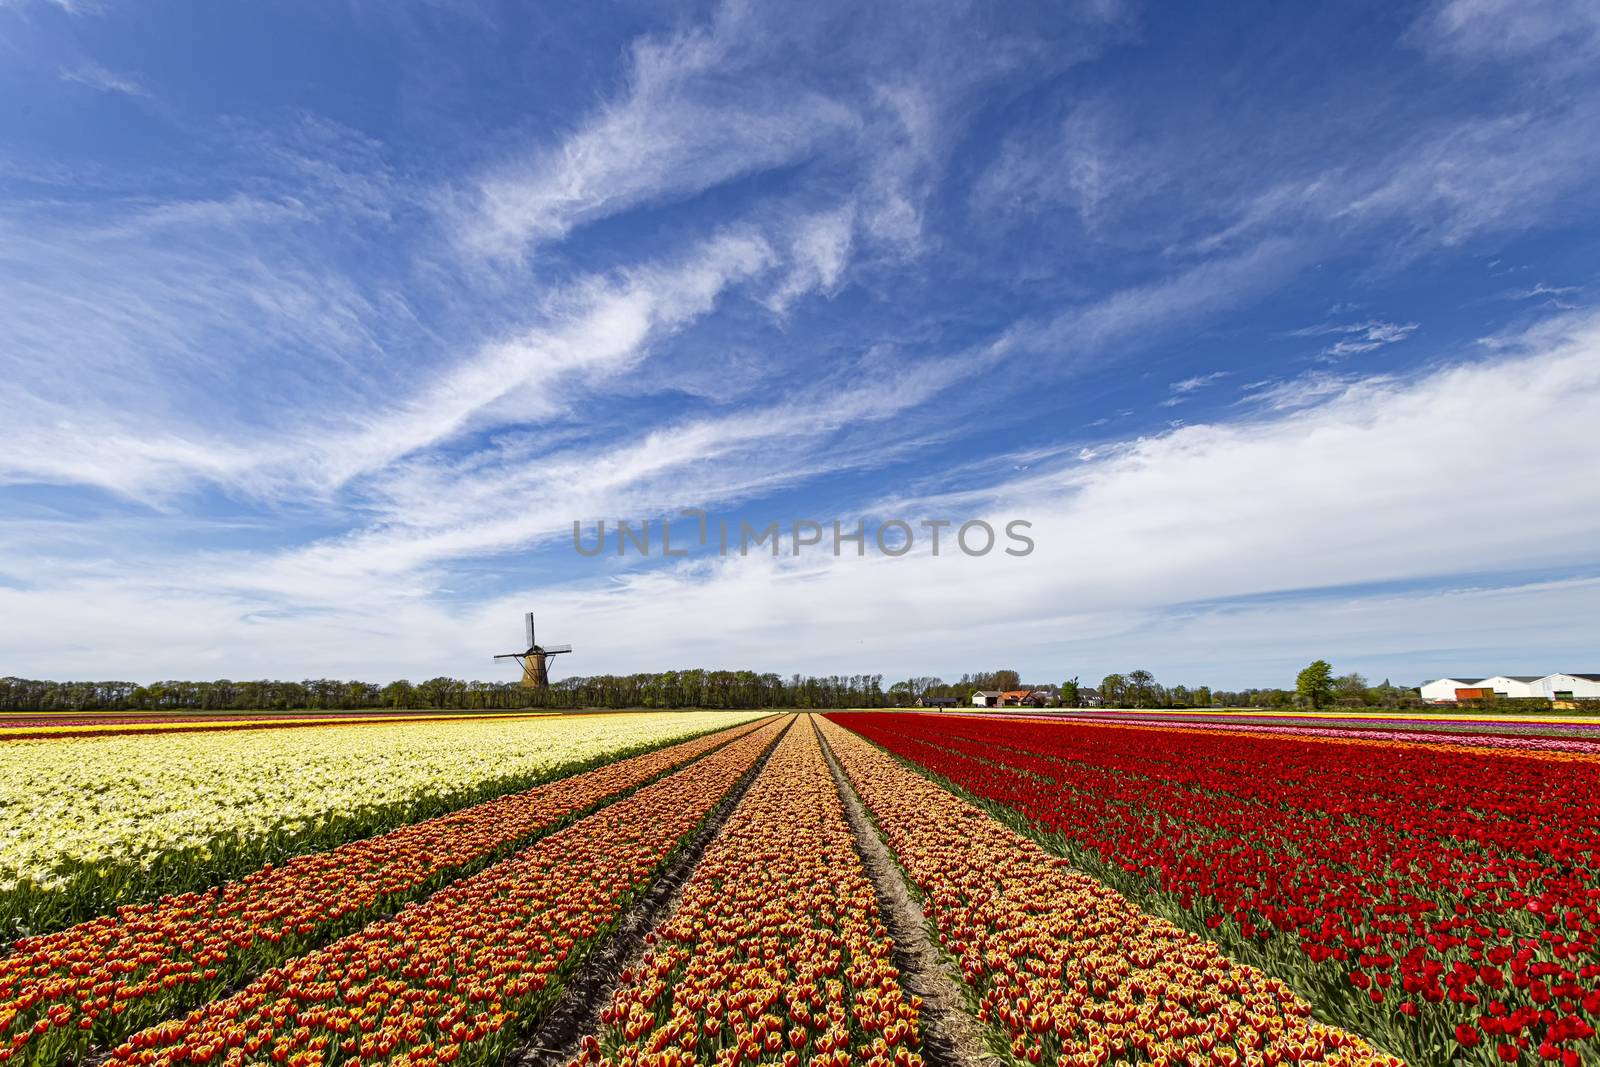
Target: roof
{"type": "Point", "coordinates": [1021, 694]}
{"type": "Point", "coordinates": [1453, 678]}
{"type": "Point", "coordinates": [1521, 677]}
{"type": "Point", "coordinates": [987, 693]}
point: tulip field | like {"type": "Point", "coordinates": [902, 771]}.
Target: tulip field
{"type": "Point", "coordinates": [726, 889]}
{"type": "Point", "coordinates": [128, 818]}
{"type": "Point", "coordinates": [1443, 899]}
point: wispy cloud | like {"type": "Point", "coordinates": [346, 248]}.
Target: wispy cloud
{"type": "Point", "coordinates": [1181, 389]}
{"type": "Point", "coordinates": [99, 78]}
{"type": "Point", "coordinates": [1555, 296]}
{"type": "Point", "coordinates": [1358, 337]}
{"type": "Point", "coordinates": [672, 132]}
{"type": "Point", "coordinates": [1564, 31]}
{"type": "Point", "coordinates": [1076, 162]}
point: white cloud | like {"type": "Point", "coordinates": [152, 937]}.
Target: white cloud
{"type": "Point", "coordinates": [1145, 544]}
{"type": "Point", "coordinates": [598, 329]}
{"type": "Point", "coordinates": [1199, 381]}
{"type": "Point", "coordinates": [674, 131]}
{"type": "Point", "coordinates": [1566, 31]}
{"type": "Point", "coordinates": [819, 250]}
{"type": "Point", "coordinates": [1358, 336]}
{"type": "Point", "coordinates": [99, 78]}
{"type": "Point", "coordinates": [1077, 162]}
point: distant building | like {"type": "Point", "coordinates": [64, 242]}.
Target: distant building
{"type": "Point", "coordinates": [1089, 698]}
{"type": "Point", "coordinates": [937, 702]}
{"type": "Point", "coordinates": [1443, 690]}
{"type": "Point", "coordinates": [1570, 686]}
{"type": "Point", "coordinates": [1022, 698]}
{"type": "Point", "coordinates": [1513, 686]}
{"type": "Point", "coordinates": [986, 698]}
{"type": "Point", "coordinates": [1557, 687]}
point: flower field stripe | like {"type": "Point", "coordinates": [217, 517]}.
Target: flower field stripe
{"type": "Point", "coordinates": [1512, 742]}
{"type": "Point", "coordinates": [1446, 903]}
{"type": "Point", "coordinates": [92, 824]}
{"type": "Point", "coordinates": [172, 726]}
{"type": "Point", "coordinates": [153, 961]}
{"type": "Point", "coordinates": [776, 951]}
{"type": "Point", "coordinates": [456, 977]}
{"type": "Point", "coordinates": [1068, 970]}
{"type": "Point", "coordinates": [1483, 745]}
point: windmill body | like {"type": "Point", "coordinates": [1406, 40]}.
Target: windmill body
{"type": "Point", "coordinates": [534, 659]}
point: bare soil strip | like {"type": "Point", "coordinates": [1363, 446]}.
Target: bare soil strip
{"type": "Point", "coordinates": [577, 1013]}
{"type": "Point", "coordinates": [951, 1037]}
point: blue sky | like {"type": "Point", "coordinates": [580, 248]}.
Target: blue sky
{"type": "Point", "coordinates": [321, 323]}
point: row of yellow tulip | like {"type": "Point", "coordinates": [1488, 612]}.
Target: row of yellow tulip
{"type": "Point", "coordinates": [90, 824]}
{"type": "Point", "coordinates": [776, 948]}
{"type": "Point", "coordinates": [1067, 970]}
{"type": "Point", "coordinates": [36, 728]}
{"type": "Point", "coordinates": [454, 979]}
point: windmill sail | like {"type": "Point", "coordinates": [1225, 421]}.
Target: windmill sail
{"type": "Point", "coordinates": [528, 620]}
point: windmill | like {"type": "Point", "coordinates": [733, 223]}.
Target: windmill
{"type": "Point", "coordinates": [535, 675]}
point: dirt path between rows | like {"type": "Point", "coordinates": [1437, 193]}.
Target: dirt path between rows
{"type": "Point", "coordinates": [951, 1037]}
{"type": "Point", "coordinates": [577, 1013]}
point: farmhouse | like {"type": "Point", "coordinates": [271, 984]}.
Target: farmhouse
{"type": "Point", "coordinates": [1443, 690]}
{"type": "Point", "coordinates": [1513, 685]}
{"type": "Point", "coordinates": [986, 698]}
{"type": "Point", "coordinates": [1570, 686]}
{"type": "Point", "coordinates": [1557, 687]}
{"type": "Point", "coordinates": [1019, 698]}
{"type": "Point", "coordinates": [936, 702]}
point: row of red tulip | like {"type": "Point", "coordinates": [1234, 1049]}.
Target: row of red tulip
{"type": "Point", "coordinates": [1447, 901]}
{"type": "Point", "coordinates": [776, 949]}
{"type": "Point", "coordinates": [1068, 970]}
{"type": "Point", "coordinates": [445, 978]}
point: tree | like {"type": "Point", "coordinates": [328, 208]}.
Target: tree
{"type": "Point", "coordinates": [1350, 690]}
{"type": "Point", "coordinates": [1005, 681]}
{"type": "Point", "coordinates": [1314, 685]}
{"type": "Point", "coordinates": [1113, 690]}
{"type": "Point", "coordinates": [1069, 692]}
{"type": "Point", "coordinates": [1143, 690]}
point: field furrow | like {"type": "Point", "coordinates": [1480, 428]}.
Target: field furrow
{"type": "Point", "coordinates": [457, 977]}
{"type": "Point", "coordinates": [776, 949]}
{"type": "Point", "coordinates": [1066, 969]}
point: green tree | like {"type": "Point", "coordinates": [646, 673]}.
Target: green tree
{"type": "Point", "coordinates": [1314, 685]}
{"type": "Point", "coordinates": [1114, 690]}
{"type": "Point", "coordinates": [1069, 692]}
{"type": "Point", "coordinates": [1143, 690]}
{"type": "Point", "coordinates": [1350, 690]}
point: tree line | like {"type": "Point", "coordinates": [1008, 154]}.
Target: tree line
{"type": "Point", "coordinates": [664, 689]}
{"type": "Point", "coordinates": [1139, 689]}
{"type": "Point", "coordinates": [1316, 686]}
